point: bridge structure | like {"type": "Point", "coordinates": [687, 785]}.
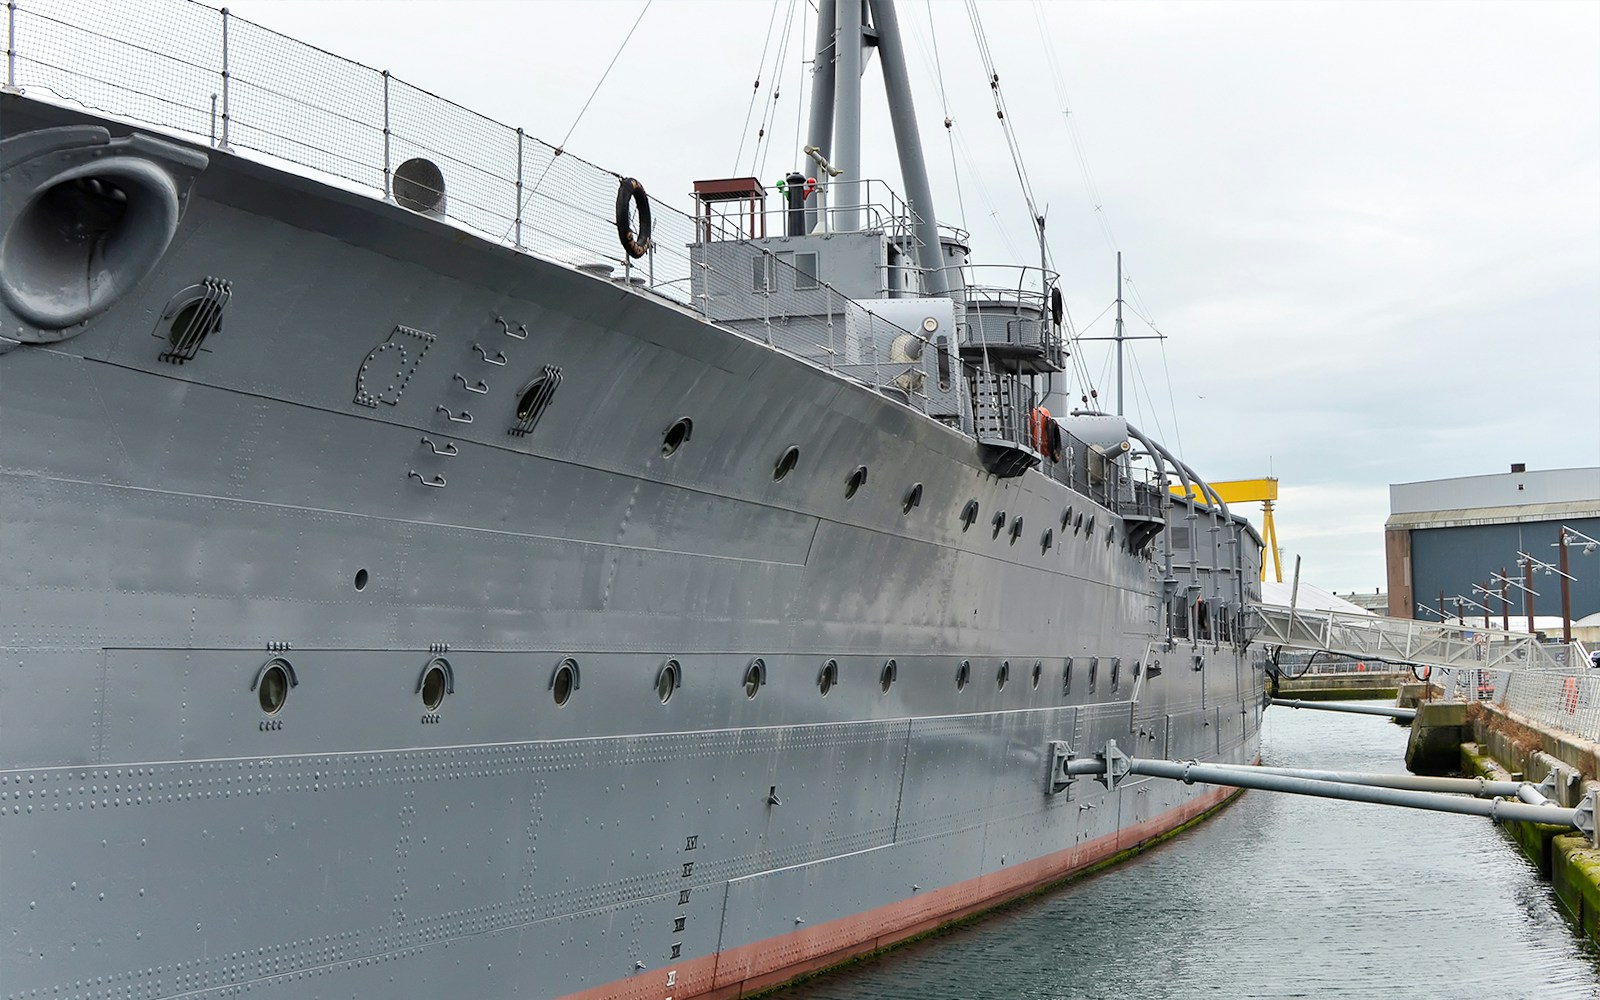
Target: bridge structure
{"type": "Point", "coordinates": [1407, 642]}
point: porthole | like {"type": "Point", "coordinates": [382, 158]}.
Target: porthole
{"type": "Point", "coordinates": [1116, 673]}
{"type": "Point", "coordinates": [969, 514]}
{"type": "Point", "coordinates": [1066, 677]}
{"type": "Point", "coordinates": [786, 463]}
{"type": "Point", "coordinates": [858, 479]}
{"type": "Point", "coordinates": [1016, 529]}
{"type": "Point", "coordinates": [361, 579]}
{"type": "Point", "coordinates": [1138, 668]}
{"type": "Point", "coordinates": [1111, 533]}
{"type": "Point", "coordinates": [1094, 672]}
{"type": "Point", "coordinates": [1090, 532]}
{"type": "Point", "coordinates": [1066, 518]}
{"type": "Point", "coordinates": [1077, 525]}
{"type": "Point", "coordinates": [963, 675]}
{"type": "Point", "coordinates": [1047, 540]}
{"type": "Point", "coordinates": [1038, 673]}
{"type": "Point", "coordinates": [755, 675]}
{"type": "Point", "coordinates": [272, 685]}
{"type": "Point", "coordinates": [529, 402]}
{"type": "Point", "coordinates": [676, 435]}
{"type": "Point", "coordinates": [887, 675]}
{"type": "Point", "coordinates": [828, 677]}
{"type": "Point", "coordinates": [1002, 675]}
{"type": "Point", "coordinates": [913, 498]}
{"type": "Point", "coordinates": [564, 681]}
{"type": "Point", "coordinates": [668, 680]}
{"type": "Point", "coordinates": [435, 683]}
{"type": "Point", "coordinates": [998, 523]}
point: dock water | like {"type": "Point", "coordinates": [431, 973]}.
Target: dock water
{"type": "Point", "coordinates": [1277, 896]}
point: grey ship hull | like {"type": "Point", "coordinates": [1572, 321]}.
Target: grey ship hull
{"type": "Point", "coordinates": [170, 529]}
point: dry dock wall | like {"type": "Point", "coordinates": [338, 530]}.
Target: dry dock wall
{"type": "Point", "coordinates": [1503, 744]}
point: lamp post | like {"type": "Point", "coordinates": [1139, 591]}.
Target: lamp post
{"type": "Point", "coordinates": [1589, 545]}
{"type": "Point", "coordinates": [1469, 602]}
{"type": "Point", "coordinates": [1487, 594]}
{"type": "Point", "coordinates": [1506, 581]}
{"type": "Point", "coordinates": [1529, 564]}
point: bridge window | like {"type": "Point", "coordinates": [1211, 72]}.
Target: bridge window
{"type": "Point", "coordinates": [805, 271]}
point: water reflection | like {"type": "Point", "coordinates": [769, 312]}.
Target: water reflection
{"type": "Point", "coordinates": [1279, 896]}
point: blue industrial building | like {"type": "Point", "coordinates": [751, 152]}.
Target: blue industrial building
{"type": "Point", "coordinates": [1453, 537]}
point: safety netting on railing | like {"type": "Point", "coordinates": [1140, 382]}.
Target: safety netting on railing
{"type": "Point", "coordinates": [217, 78]}
{"type": "Point", "coordinates": [1564, 700]}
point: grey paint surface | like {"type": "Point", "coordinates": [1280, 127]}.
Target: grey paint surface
{"type": "Point", "coordinates": [169, 529]}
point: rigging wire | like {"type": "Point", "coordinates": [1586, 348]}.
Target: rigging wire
{"type": "Point", "coordinates": [800, 102]}
{"type": "Point", "coordinates": [1135, 298]}
{"type": "Point", "coordinates": [755, 92]}
{"type": "Point", "coordinates": [949, 130]}
{"type": "Point", "coordinates": [764, 144]}
{"type": "Point", "coordinates": [609, 66]}
{"type": "Point", "coordinates": [993, 77]}
{"type": "Point", "coordinates": [562, 146]}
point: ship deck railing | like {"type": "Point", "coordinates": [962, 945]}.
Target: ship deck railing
{"type": "Point", "coordinates": [212, 77]}
{"type": "Point", "coordinates": [882, 209]}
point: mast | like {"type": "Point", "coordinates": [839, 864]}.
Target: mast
{"type": "Point", "coordinates": [908, 142]}
{"type": "Point", "coordinates": [819, 128]}
{"type": "Point", "coordinates": [846, 151]}
{"type": "Point", "coordinates": [1119, 337]}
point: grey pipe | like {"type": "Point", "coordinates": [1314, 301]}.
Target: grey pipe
{"type": "Point", "coordinates": [1480, 787]}
{"type": "Point", "coordinates": [1208, 774]}
{"type": "Point", "coordinates": [1405, 714]}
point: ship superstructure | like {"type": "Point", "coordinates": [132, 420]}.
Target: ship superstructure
{"type": "Point", "coordinates": [427, 569]}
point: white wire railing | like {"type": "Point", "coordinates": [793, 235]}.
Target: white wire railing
{"type": "Point", "coordinates": [211, 76]}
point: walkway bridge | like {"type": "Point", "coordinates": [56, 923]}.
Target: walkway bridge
{"type": "Point", "coordinates": [1413, 643]}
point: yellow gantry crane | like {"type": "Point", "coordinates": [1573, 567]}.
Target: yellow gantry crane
{"type": "Point", "coordinates": [1250, 491]}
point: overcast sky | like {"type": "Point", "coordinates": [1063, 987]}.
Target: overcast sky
{"type": "Point", "coordinates": [1370, 231]}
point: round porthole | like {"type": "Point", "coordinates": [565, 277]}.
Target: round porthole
{"type": "Point", "coordinates": [913, 498]}
{"type": "Point", "coordinates": [1066, 518]}
{"type": "Point", "coordinates": [1002, 675]}
{"type": "Point", "coordinates": [858, 479]}
{"type": "Point", "coordinates": [755, 675]}
{"type": "Point", "coordinates": [969, 514]}
{"type": "Point", "coordinates": [887, 675]}
{"type": "Point", "coordinates": [676, 435]}
{"type": "Point", "coordinates": [564, 681]}
{"type": "Point", "coordinates": [361, 579]}
{"type": "Point", "coordinates": [786, 463]}
{"type": "Point", "coordinates": [828, 677]}
{"type": "Point", "coordinates": [1038, 673]}
{"type": "Point", "coordinates": [1077, 525]}
{"type": "Point", "coordinates": [963, 675]}
{"type": "Point", "coordinates": [668, 680]}
{"type": "Point", "coordinates": [1089, 533]}
{"type": "Point", "coordinates": [1016, 529]}
{"type": "Point", "coordinates": [1047, 540]}
{"type": "Point", "coordinates": [998, 523]}
{"type": "Point", "coordinates": [435, 683]}
{"type": "Point", "coordinates": [1111, 534]}
{"type": "Point", "coordinates": [272, 685]}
